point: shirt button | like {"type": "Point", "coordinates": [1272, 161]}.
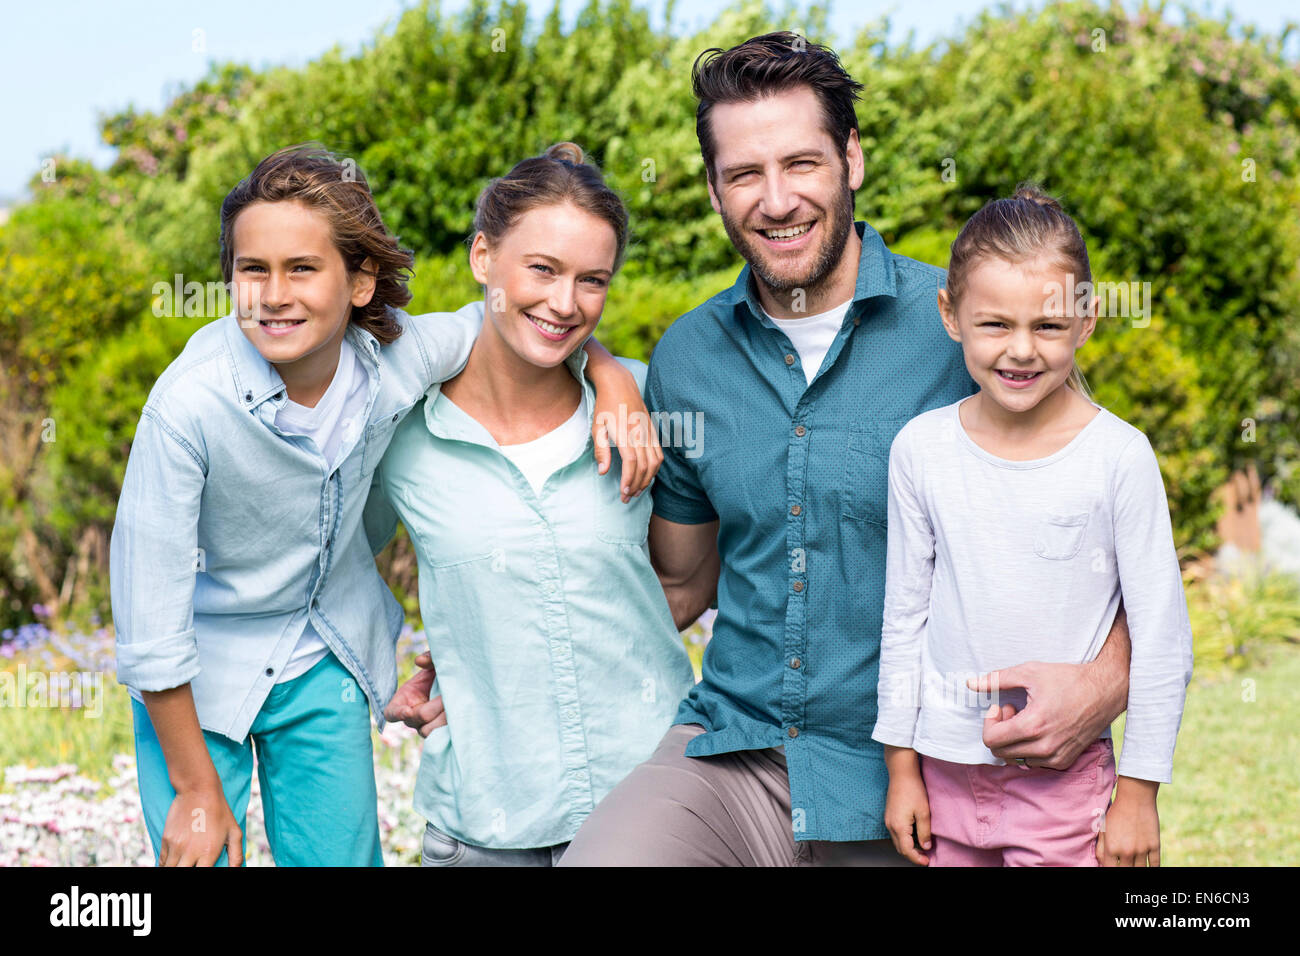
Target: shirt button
{"type": "Point", "coordinates": [800, 431]}
{"type": "Point", "coordinates": [248, 396]}
{"type": "Point", "coordinates": [789, 359]}
{"type": "Point", "coordinates": [796, 510]}
{"type": "Point", "coordinates": [798, 586]}
{"type": "Point", "coordinates": [328, 542]}
{"type": "Point", "coordinates": [793, 732]}
{"type": "Point", "coordinates": [270, 671]}
{"type": "Point", "coordinates": [395, 417]}
{"type": "Point", "coordinates": [796, 663]}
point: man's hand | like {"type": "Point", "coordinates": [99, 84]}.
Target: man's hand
{"type": "Point", "coordinates": [1131, 834]}
{"type": "Point", "coordinates": [1068, 707]}
{"type": "Point", "coordinates": [199, 826]}
{"type": "Point", "coordinates": [411, 704]}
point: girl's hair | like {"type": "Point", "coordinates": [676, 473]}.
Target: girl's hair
{"type": "Point", "coordinates": [561, 174]}
{"type": "Point", "coordinates": [312, 175]}
{"type": "Point", "coordinates": [1028, 224]}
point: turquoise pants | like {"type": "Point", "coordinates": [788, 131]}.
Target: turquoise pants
{"type": "Point", "coordinates": [315, 764]}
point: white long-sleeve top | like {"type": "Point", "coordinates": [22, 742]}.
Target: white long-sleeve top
{"type": "Point", "coordinates": [992, 563]}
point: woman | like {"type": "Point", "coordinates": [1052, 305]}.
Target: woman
{"type": "Point", "coordinates": [558, 662]}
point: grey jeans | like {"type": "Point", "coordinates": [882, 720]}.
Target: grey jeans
{"type": "Point", "coordinates": [726, 810]}
{"type": "Point", "coordinates": [441, 849]}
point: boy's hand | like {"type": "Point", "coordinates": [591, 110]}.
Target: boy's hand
{"type": "Point", "coordinates": [1130, 835]}
{"type": "Point", "coordinates": [621, 417]}
{"type": "Point", "coordinates": [907, 805]}
{"type": "Point", "coordinates": [411, 704]}
{"type": "Point", "coordinates": [199, 825]}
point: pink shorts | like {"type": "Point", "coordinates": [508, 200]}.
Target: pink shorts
{"type": "Point", "coordinates": [982, 815]}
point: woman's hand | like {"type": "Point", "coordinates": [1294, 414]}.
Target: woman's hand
{"type": "Point", "coordinates": [621, 418]}
{"type": "Point", "coordinates": [199, 826]}
{"type": "Point", "coordinates": [907, 805]}
{"type": "Point", "coordinates": [1130, 835]}
{"type": "Point", "coordinates": [411, 704]}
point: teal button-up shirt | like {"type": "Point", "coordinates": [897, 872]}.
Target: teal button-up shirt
{"type": "Point", "coordinates": [796, 476]}
{"type": "Point", "coordinates": [556, 654]}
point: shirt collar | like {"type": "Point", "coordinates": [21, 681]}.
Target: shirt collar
{"type": "Point", "coordinates": [875, 275]}
{"type": "Point", "coordinates": [256, 379]}
{"type": "Point", "coordinates": [445, 419]}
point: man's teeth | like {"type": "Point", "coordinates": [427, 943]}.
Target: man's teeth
{"type": "Point", "coordinates": [548, 327]}
{"type": "Point", "coordinates": [281, 323]}
{"type": "Point", "coordinates": [788, 233]}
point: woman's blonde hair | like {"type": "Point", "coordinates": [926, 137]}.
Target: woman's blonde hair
{"type": "Point", "coordinates": [1026, 225]}
{"type": "Point", "coordinates": [312, 175]}
{"type": "Point", "coordinates": [561, 174]}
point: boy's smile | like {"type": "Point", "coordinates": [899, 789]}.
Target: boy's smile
{"type": "Point", "coordinates": [293, 292]}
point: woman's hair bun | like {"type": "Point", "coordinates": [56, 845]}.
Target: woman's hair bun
{"type": "Point", "coordinates": [1034, 193]}
{"type": "Point", "coordinates": [568, 152]}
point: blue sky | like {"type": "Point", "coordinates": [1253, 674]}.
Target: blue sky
{"type": "Point", "coordinates": [62, 66]}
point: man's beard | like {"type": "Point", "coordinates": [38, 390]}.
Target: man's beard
{"type": "Point", "coordinates": [829, 251]}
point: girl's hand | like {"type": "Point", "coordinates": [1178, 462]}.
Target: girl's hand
{"type": "Point", "coordinates": [1130, 835]}
{"type": "Point", "coordinates": [411, 704]}
{"type": "Point", "coordinates": [907, 805]}
{"type": "Point", "coordinates": [199, 825]}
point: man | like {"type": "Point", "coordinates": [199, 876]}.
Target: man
{"type": "Point", "coordinates": [804, 370]}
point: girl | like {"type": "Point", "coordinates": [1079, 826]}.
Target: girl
{"type": "Point", "coordinates": [249, 613]}
{"type": "Point", "coordinates": [558, 661]}
{"type": "Point", "coordinates": [1017, 517]}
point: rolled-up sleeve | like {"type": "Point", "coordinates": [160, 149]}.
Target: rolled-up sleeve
{"type": "Point", "coordinates": [154, 557]}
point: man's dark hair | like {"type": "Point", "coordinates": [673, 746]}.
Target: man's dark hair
{"type": "Point", "coordinates": [763, 66]}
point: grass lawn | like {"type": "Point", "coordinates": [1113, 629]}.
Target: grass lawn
{"type": "Point", "coordinates": [1232, 803]}
{"type": "Point", "coordinates": [1237, 768]}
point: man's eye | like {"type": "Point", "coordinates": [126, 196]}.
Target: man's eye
{"type": "Point", "coordinates": [250, 268]}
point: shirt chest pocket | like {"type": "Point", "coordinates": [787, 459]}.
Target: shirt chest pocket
{"type": "Point", "coordinates": [1058, 537]}
{"type": "Point", "coordinates": [378, 435]}
{"type": "Point", "coordinates": [865, 490]}
{"type": "Point", "coordinates": [616, 522]}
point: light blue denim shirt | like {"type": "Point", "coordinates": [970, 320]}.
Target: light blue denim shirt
{"type": "Point", "coordinates": [231, 534]}
{"type": "Point", "coordinates": [557, 658]}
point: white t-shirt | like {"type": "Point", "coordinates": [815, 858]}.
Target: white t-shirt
{"type": "Point", "coordinates": [813, 335]}
{"type": "Point", "coordinates": [540, 458]}
{"type": "Point", "coordinates": [333, 425]}
{"type": "Point", "coordinates": [992, 563]}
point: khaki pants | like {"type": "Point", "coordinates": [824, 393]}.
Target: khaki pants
{"type": "Point", "coordinates": [725, 810]}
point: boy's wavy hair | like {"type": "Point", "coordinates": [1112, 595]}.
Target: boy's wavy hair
{"type": "Point", "coordinates": [766, 65]}
{"type": "Point", "coordinates": [1023, 226]}
{"type": "Point", "coordinates": [309, 173]}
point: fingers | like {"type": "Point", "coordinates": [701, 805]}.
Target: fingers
{"type": "Point", "coordinates": [1153, 858]}
{"type": "Point", "coordinates": [923, 830]}
{"type": "Point", "coordinates": [234, 846]}
{"type": "Point", "coordinates": [425, 660]}
{"type": "Point", "coordinates": [600, 437]}
{"type": "Point", "coordinates": [431, 715]}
